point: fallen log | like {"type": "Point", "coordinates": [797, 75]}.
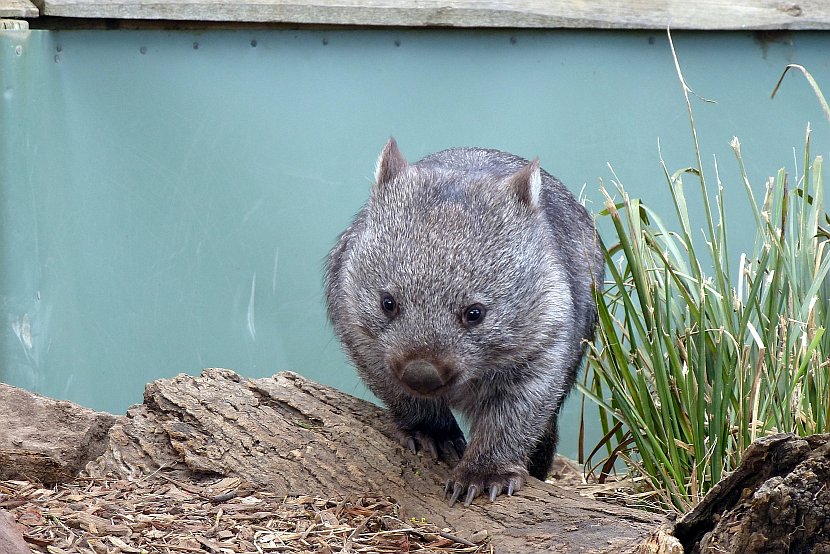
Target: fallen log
{"type": "Point", "coordinates": [291, 436]}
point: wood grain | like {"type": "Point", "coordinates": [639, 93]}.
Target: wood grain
{"type": "Point", "coordinates": [290, 435]}
{"type": "Point", "coordinates": [17, 8]}
{"type": "Point", "coordinates": [599, 14]}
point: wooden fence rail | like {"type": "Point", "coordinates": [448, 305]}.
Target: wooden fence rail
{"type": "Point", "coordinates": [597, 14]}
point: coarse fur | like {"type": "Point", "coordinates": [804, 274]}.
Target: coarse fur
{"type": "Point", "coordinates": [467, 282]}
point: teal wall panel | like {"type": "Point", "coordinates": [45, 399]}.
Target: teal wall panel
{"type": "Point", "coordinates": [167, 199]}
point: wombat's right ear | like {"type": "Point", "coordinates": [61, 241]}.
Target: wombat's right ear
{"type": "Point", "coordinates": [526, 184]}
{"type": "Point", "coordinates": [390, 163]}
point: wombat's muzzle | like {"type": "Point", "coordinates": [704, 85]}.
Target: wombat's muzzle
{"type": "Point", "coordinates": [422, 376]}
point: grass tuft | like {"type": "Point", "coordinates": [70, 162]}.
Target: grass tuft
{"type": "Point", "coordinates": [699, 351]}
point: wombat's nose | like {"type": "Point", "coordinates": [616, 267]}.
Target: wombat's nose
{"type": "Point", "coordinates": [421, 376]}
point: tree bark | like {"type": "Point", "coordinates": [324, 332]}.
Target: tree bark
{"type": "Point", "coordinates": [294, 436]}
{"type": "Point", "coordinates": [777, 500]}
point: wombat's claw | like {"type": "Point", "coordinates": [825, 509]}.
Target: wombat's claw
{"type": "Point", "coordinates": [513, 486]}
{"type": "Point", "coordinates": [472, 492]}
{"type": "Point", "coordinates": [456, 492]}
{"type": "Point", "coordinates": [453, 449]}
{"type": "Point", "coordinates": [457, 489]}
{"type": "Point", "coordinates": [450, 450]}
{"type": "Point", "coordinates": [474, 484]}
{"type": "Point", "coordinates": [411, 442]}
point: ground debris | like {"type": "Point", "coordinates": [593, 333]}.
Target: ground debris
{"type": "Point", "coordinates": [224, 516]}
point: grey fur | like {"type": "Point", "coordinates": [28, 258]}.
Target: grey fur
{"type": "Point", "coordinates": [460, 230]}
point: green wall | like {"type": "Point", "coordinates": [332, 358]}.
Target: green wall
{"type": "Point", "coordinates": [167, 199]}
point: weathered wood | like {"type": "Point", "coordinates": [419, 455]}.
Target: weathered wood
{"type": "Point", "coordinates": [777, 500]}
{"type": "Point", "coordinates": [293, 436]}
{"type": "Point", "coordinates": [17, 8]}
{"type": "Point", "coordinates": [602, 14]}
{"type": "Point", "coordinates": [47, 440]}
{"type": "Point", "coordinates": [14, 25]}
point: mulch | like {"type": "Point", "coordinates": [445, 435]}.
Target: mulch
{"type": "Point", "coordinates": [157, 514]}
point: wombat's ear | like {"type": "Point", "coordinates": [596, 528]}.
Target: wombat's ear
{"type": "Point", "coordinates": [390, 163]}
{"type": "Point", "coordinates": [526, 184]}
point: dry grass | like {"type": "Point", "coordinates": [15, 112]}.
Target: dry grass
{"type": "Point", "coordinates": [160, 515]}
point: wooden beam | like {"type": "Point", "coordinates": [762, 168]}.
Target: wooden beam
{"type": "Point", "coordinates": [17, 8]}
{"type": "Point", "coordinates": [602, 14]}
{"type": "Point", "coordinates": [14, 25]}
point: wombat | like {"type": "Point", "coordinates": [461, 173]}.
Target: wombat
{"type": "Point", "coordinates": [466, 282]}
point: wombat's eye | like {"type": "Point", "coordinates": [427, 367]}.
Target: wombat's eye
{"type": "Point", "coordinates": [473, 315]}
{"type": "Point", "coordinates": [389, 304]}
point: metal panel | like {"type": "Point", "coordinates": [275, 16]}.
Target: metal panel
{"type": "Point", "coordinates": [168, 198]}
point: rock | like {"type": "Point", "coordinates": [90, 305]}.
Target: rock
{"type": "Point", "coordinates": [47, 440]}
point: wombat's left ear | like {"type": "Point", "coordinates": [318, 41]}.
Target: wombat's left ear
{"type": "Point", "coordinates": [390, 163]}
{"type": "Point", "coordinates": [526, 184]}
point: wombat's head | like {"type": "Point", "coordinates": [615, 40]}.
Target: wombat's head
{"type": "Point", "coordinates": [448, 278]}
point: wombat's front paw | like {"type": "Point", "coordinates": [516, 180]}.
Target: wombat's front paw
{"type": "Point", "coordinates": [449, 447]}
{"type": "Point", "coordinates": [475, 481]}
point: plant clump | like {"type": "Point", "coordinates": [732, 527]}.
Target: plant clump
{"type": "Point", "coordinates": [701, 351]}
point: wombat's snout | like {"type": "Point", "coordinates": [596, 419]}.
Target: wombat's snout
{"type": "Point", "coordinates": [421, 376]}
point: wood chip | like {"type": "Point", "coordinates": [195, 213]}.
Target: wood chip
{"type": "Point", "coordinates": [159, 515]}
